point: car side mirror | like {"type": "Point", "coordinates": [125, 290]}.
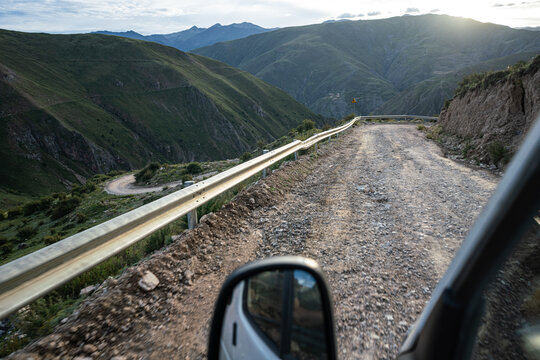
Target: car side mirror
{"type": "Point", "coordinates": [276, 308]}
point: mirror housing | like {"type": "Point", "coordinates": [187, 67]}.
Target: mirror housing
{"type": "Point", "coordinates": [285, 263]}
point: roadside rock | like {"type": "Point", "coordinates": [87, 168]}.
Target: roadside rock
{"type": "Point", "coordinates": [148, 282]}
{"type": "Point", "coordinates": [88, 290]}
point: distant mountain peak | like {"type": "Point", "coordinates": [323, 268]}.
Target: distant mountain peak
{"type": "Point", "coordinates": [196, 37]}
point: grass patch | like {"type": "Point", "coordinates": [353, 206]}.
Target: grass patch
{"type": "Point", "coordinates": [434, 132]}
{"type": "Point", "coordinates": [467, 149]}
{"type": "Point", "coordinates": [485, 80]}
{"type": "Point", "coordinates": [498, 154]}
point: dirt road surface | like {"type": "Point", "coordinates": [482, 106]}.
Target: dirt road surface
{"type": "Point", "coordinates": [380, 209]}
{"type": "Point", "coordinates": [125, 185]}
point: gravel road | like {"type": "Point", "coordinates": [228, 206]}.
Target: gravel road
{"type": "Point", "coordinates": [380, 209]}
{"type": "Point", "coordinates": [125, 185]}
{"type": "Point", "coordinates": [384, 216]}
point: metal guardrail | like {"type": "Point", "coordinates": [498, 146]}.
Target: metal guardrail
{"type": "Point", "coordinates": [34, 275]}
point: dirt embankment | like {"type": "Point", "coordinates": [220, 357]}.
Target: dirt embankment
{"type": "Point", "coordinates": [380, 209]}
{"type": "Point", "coordinates": [489, 123]}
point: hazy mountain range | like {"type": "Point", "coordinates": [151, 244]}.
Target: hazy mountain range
{"type": "Point", "coordinates": [407, 64]}
{"type": "Point", "coordinates": [196, 37]}
{"type": "Point", "coordinates": [75, 105]}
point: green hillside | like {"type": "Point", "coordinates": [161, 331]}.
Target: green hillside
{"type": "Point", "coordinates": [75, 105]}
{"type": "Point", "coordinates": [377, 61]}
{"type": "Point", "coordinates": [427, 96]}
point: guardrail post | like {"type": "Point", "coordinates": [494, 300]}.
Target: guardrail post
{"type": "Point", "coordinates": [266, 171]}
{"type": "Point", "coordinates": [296, 155]}
{"type": "Point", "coordinates": [192, 215]}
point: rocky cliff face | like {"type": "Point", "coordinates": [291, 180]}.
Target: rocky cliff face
{"type": "Point", "coordinates": [489, 122]}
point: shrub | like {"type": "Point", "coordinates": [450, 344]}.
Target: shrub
{"type": "Point", "coordinates": [6, 249]}
{"type": "Point", "coordinates": [306, 125]}
{"type": "Point", "coordinates": [194, 168]}
{"type": "Point", "coordinates": [147, 172]}
{"type": "Point", "coordinates": [326, 127]}
{"type": "Point", "coordinates": [26, 232]}
{"type": "Point", "coordinates": [144, 175]}
{"type": "Point", "coordinates": [497, 152]}
{"type": "Point", "coordinates": [115, 172]}
{"type": "Point", "coordinates": [245, 156]}
{"type": "Point", "coordinates": [30, 208]}
{"type": "Point", "coordinates": [64, 207]}
{"type": "Point", "coordinates": [187, 177]}
{"type": "Point", "coordinates": [37, 205]}
{"type": "Point", "coordinates": [87, 188]}
{"type": "Point", "coordinates": [421, 127]}
{"type": "Point", "coordinates": [260, 144]}
{"type": "Point", "coordinates": [60, 195]}
{"type": "Point", "coordinates": [466, 149]}
{"type": "Point", "coordinates": [14, 212]}
{"type": "Point", "coordinates": [446, 104]}
{"type": "Point", "coordinates": [434, 132]}
{"type": "Point", "coordinates": [349, 117]}
{"type": "Point", "coordinates": [81, 217]}
{"type": "Point", "coordinates": [100, 178]}
{"type": "Point", "coordinates": [157, 240]}
{"type": "Point", "coordinates": [51, 239]}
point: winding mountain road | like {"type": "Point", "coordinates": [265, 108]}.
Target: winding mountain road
{"type": "Point", "coordinates": [125, 185]}
{"type": "Point", "coordinates": [381, 210]}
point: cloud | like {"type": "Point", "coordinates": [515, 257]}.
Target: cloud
{"type": "Point", "coordinates": [374, 13]}
{"type": "Point", "coordinates": [349, 16]}
{"type": "Point", "coordinates": [521, 4]}
{"type": "Point", "coordinates": [346, 16]}
{"type": "Point", "coordinates": [434, 11]}
{"type": "Point", "coordinates": [412, 10]}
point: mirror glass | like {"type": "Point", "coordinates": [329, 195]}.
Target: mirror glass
{"type": "Point", "coordinates": [275, 315]}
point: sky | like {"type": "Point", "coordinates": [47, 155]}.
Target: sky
{"type": "Point", "coordinates": [167, 16]}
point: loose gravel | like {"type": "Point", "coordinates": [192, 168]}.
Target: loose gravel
{"type": "Point", "coordinates": [383, 215]}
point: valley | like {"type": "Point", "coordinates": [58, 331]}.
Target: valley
{"type": "Point", "coordinates": [72, 106]}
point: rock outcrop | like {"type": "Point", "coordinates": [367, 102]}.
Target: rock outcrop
{"type": "Point", "coordinates": [489, 122]}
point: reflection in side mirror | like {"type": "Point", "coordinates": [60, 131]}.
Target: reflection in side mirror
{"type": "Point", "coordinates": [278, 308]}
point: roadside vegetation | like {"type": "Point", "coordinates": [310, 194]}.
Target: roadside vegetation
{"type": "Point", "coordinates": [49, 219]}
{"type": "Point", "coordinates": [486, 79]}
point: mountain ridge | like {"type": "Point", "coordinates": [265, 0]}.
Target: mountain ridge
{"type": "Point", "coordinates": [196, 37]}
{"type": "Point", "coordinates": [325, 65]}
